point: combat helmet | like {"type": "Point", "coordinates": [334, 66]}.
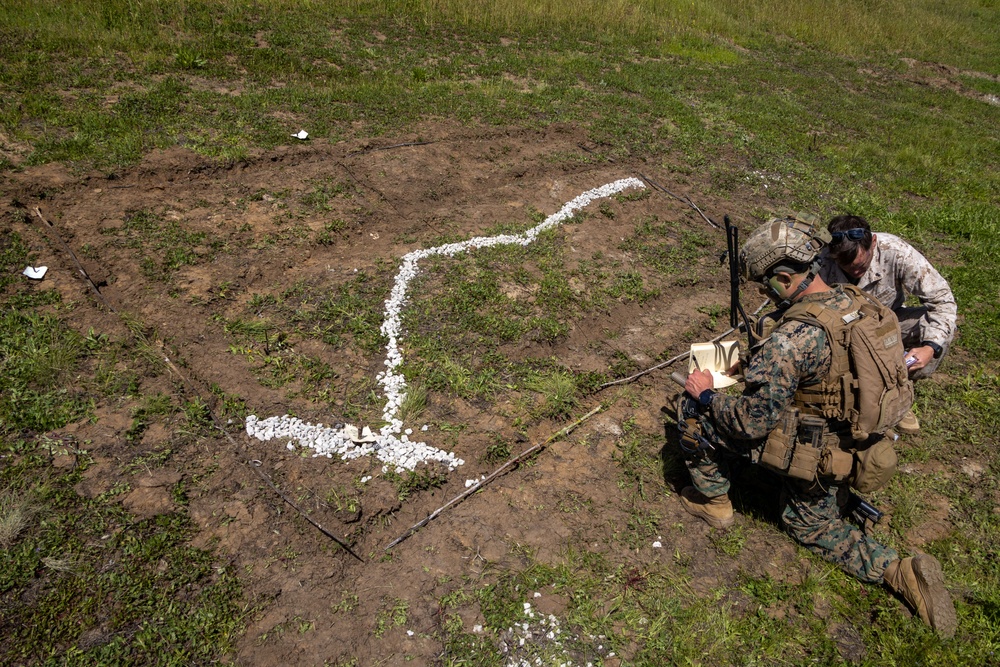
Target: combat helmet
{"type": "Point", "coordinates": [786, 243]}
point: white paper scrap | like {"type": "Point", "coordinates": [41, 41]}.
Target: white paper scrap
{"type": "Point", "coordinates": [35, 272]}
{"type": "Point", "coordinates": [301, 134]}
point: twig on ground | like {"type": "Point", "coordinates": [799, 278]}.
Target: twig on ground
{"type": "Point", "coordinates": [593, 152]}
{"type": "Point", "coordinates": [705, 217]}
{"type": "Point", "coordinates": [496, 473]}
{"type": "Point", "coordinates": [254, 466]}
{"type": "Point", "coordinates": [385, 148]}
{"type": "Point", "coordinates": [370, 187]}
{"type": "Point", "coordinates": [684, 200]}
{"type": "Point", "coordinates": [264, 476]}
{"type": "Point", "coordinates": [79, 266]}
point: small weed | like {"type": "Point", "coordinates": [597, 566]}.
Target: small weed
{"type": "Point", "coordinates": [197, 414]}
{"type": "Point", "coordinates": [630, 286]}
{"type": "Point", "coordinates": [393, 616]}
{"type": "Point", "coordinates": [559, 394]}
{"type": "Point", "coordinates": [411, 481]}
{"type": "Point", "coordinates": [414, 403]}
{"type": "Point", "coordinates": [497, 452]}
{"type": "Point", "coordinates": [318, 199]}
{"type": "Point", "coordinates": [713, 312]}
{"type": "Point", "coordinates": [187, 58]}
{"type": "Point", "coordinates": [155, 459]}
{"type": "Point", "coordinates": [730, 542]}
{"type": "Point", "coordinates": [343, 501]}
{"type": "Point", "coordinates": [331, 230]}
{"type": "Point", "coordinates": [348, 603]}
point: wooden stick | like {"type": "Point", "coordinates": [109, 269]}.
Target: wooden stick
{"type": "Point", "coordinates": [496, 473]}
{"type": "Point", "coordinates": [684, 200]}
{"type": "Point", "coordinates": [255, 466]}
{"type": "Point", "coordinates": [260, 473]}
{"type": "Point", "coordinates": [79, 266]}
{"type": "Point", "coordinates": [385, 148]}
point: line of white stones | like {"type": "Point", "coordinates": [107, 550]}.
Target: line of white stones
{"type": "Point", "coordinates": [392, 445]}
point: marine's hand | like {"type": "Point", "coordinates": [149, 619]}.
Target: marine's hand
{"type": "Point", "coordinates": [698, 382]}
{"type": "Point", "coordinates": [921, 355]}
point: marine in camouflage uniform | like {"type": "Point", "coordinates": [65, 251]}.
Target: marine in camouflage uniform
{"type": "Point", "coordinates": [897, 270]}
{"type": "Point", "coordinates": [782, 257]}
{"type": "Point", "coordinates": [796, 352]}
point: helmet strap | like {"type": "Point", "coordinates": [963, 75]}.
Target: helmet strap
{"type": "Point", "coordinates": [788, 300]}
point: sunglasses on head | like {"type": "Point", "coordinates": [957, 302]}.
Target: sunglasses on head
{"type": "Point", "coordinates": [855, 234]}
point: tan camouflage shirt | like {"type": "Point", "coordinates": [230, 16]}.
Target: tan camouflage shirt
{"type": "Point", "coordinates": [897, 270]}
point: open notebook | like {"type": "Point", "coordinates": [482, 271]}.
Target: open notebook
{"type": "Point", "coordinates": [718, 358]}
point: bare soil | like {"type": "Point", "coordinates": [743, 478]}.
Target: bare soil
{"type": "Point", "coordinates": [462, 182]}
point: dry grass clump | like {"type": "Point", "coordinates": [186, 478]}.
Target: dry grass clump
{"type": "Point", "coordinates": [16, 513]}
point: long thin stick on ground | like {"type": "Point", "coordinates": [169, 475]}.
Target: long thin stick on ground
{"type": "Point", "coordinates": [72, 255]}
{"type": "Point", "coordinates": [672, 360]}
{"type": "Point", "coordinates": [260, 473]}
{"type": "Point", "coordinates": [385, 148]}
{"type": "Point", "coordinates": [254, 466]}
{"type": "Point", "coordinates": [496, 473]}
{"type": "Point", "coordinates": [686, 200]}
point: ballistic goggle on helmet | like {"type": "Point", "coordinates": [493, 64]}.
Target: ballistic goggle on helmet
{"type": "Point", "coordinates": [782, 244]}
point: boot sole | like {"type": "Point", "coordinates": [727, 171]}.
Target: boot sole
{"type": "Point", "coordinates": [940, 609]}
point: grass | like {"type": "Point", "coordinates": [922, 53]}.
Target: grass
{"type": "Point", "coordinates": [788, 105]}
{"type": "Point", "coordinates": [81, 580]}
{"type": "Point", "coordinates": [16, 514]}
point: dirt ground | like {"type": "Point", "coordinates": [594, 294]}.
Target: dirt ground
{"type": "Point", "coordinates": [461, 182]}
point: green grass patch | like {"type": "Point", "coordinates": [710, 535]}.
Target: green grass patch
{"type": "Point", "coordinates": [82, 582]}
{"type": "Point", "coordinates": [107, 588]}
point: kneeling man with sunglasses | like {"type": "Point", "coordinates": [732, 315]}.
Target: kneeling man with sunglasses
{"type": "Point", "coordinates": [890, 269]}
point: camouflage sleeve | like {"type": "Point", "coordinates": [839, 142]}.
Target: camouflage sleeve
{"type": "Point", "coordinates": [794, 353]}
{"type": "Point", "coordinates": [923, 281]}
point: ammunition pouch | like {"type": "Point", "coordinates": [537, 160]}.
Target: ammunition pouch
{"type": "Point", "coordinates": [805, 462]}
{"type": "Point", "coordinates": [780, 444]}
{"type": "Point", "coordinates": [796, 445]}
{"type": "Point", "coordinates": [802, 447]}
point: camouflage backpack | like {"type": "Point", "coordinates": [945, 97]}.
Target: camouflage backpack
{"type": "Point", "coordinates": [868, 385]}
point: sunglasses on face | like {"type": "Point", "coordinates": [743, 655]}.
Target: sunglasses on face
{"type": "Point", "coordinates": [855, 234]}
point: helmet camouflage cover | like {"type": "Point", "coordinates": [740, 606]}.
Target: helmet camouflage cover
{"type": "Point", "coordinates": [795, 239]}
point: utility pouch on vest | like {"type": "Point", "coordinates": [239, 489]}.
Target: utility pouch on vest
{"type": "Point", "coordinates": [808, 448]}
{"type": "Point", "coordinates": [777, 454]}
{"type": "Point", "coordinates": [874, 466]}
{"type": "Point", "coordinates": [836, 463]}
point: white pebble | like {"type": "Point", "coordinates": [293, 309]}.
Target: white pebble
{"type": "Point", "coordinates": [392, 445]}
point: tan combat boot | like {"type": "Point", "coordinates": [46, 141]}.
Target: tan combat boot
{"type": "Point", "coordinates": [908, 425]}
{"type": "Point", "coordinates": [717, 512]}
{"type": "Point", "coordinates": [921, 583]}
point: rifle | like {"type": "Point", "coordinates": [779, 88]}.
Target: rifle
{"type": "Point", "coordinates": [735, 307]}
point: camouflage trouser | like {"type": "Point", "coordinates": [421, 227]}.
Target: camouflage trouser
{"type": "Point", "coordinates": [810, 512]}
{"type": "Point", "coordinates": [909, 326]}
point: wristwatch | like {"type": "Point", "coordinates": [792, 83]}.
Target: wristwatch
{"type": "Point", "coordinates": [705, 398]}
